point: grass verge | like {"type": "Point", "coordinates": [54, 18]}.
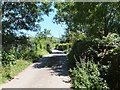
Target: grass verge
{"type": "Point", "coordinates": [14, 70]}
{"type": "Point", "coordinates": [42, 52]}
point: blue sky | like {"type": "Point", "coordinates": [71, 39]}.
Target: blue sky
{"type": "Point", "coordinates": [56, 29]}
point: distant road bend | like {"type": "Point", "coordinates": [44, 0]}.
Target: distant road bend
{"type": "Point", "coordinates": [50, 72]}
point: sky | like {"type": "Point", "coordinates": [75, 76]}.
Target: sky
{"type": "Point", "coordinates": [56, 29]}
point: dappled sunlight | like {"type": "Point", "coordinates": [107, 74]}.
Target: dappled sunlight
{"type": "Point", "coordinates": [58, 63]}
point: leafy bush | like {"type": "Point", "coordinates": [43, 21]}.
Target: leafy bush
{"type": "Point", "coordinates": [113, 76]}
{"type": "Point", "coordinates": [48, 48]}
{"type": "Point", "coordinates": [100, 50]}
{"type": "Point", "coordinates": [8, 73]}
{"type": "Point", "coordinates": [64, 47]}
{"type": "Point", "coordinates": [8, 58]}
{"type": "Point", "coordinates": [105, 51]}
{"type": "Point", "coordinates": [33, 50]}
{"type": "Point", "coordinates": [87, 75]}
{"type": "Point", "coordinates": [79, 50]}
{"type": "Point", "coordinates": [27, 53]}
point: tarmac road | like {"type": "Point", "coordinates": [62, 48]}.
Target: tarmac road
{"type": "Point", "coordinates": [50, 72]}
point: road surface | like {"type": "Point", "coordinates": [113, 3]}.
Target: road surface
{"type": "Point", "coordinates": [50, 72]}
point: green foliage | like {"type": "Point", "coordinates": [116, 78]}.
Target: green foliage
{"type": "Point", "coordinates": [8, 58]}
{"type": "Point", "coordinates": [95, 19]}
{"type": "Point", "coordinates": [86, 75]}
{"type": "Point", "coordinates": [25, 52]}
{"type": "Point", "coordinates": [48, 48]}
{"type": "Point", "coordinates": [20, 65]}
{"type": "Point", "coordinates": [8, 73]}
{"type": "Point", "coordinates": [44, 34]}
{"type": "Point", "coordinates": [21, 15]}
{"type": "Point", "coordinates": [64, 47]}
{"type": "Point", "coordinates": [102, 50]}
{"type": "Point", "coordinates": [101, 40]}
{"type": "Point", "coordinates": [32, 52]}
{"type": "Point", "coordinates": [105, 51]}
{"type": "Point", "coordinates": [41, 45]}
{"type": "Point", "coordinates": [29, 55]}
{"type": "Point", "coordinates": [17, 16]}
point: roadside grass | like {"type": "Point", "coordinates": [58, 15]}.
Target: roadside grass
{"type": "Point", "coordinates": [0, 72]}
{"type": "Point", "coordinates": [42, 52]}
{"type": "Point", "coordinates": [0, 75]}
{"type": "Point", "coordinates": [18, 67]}
{"type": "Point", "coordinates": [14, 70]}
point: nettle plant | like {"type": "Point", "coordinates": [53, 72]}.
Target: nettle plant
{"type": "Point", "coordinates": [86, 75]}
{"type": "Point", "coordinates": [8, 58]}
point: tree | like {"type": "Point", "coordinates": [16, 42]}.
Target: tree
{"type": "Point", "coordinates": [21, 15]}
{"type": "Point", "coordinates": [43, 34]}
{"type": "Point", "coordinates": [95, 19]}
{"type": "Point", "coordinates": [46, 33]}
{"type": "Point", "coordinates": [65, 37]}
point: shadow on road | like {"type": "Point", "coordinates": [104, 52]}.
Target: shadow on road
{"type": "Point", "coordinates": [57, 63]}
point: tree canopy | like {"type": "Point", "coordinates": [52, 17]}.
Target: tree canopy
{"type": "Point", "coordinates": [95, 19]}
{"type": "Point", "coordinates": [21, 15]}
{"type": "Point", "coordinates": [44, 34]}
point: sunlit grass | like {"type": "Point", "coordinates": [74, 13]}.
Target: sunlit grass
{"type": "Point", "coordinates": [42, 52]}
{"type": "Point", "coordinates": [20, 65]}
{"type": "Point", "coordinates": [14, 70]}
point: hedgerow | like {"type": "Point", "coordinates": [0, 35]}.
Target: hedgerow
{"type": "Point", "coordinates": [66, 47]}
{"type": "Point", "coordinates": [104, 52]}
{"type": "Point", "coordinates": [86, 75]}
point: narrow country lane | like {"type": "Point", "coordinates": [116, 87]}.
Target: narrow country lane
{"type": "Point", "coordinates": [50, 72]}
